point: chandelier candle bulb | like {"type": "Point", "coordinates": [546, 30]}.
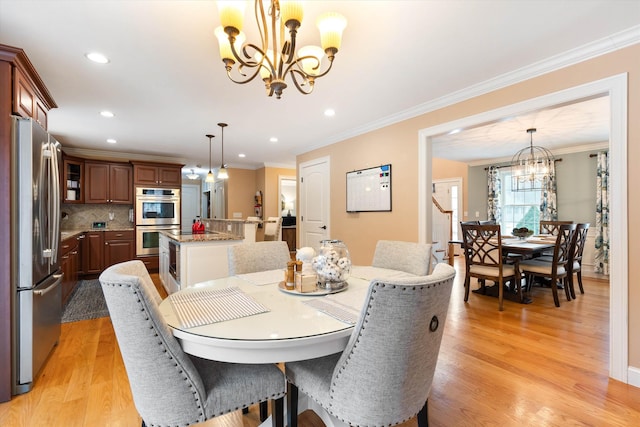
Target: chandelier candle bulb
{"type": "Point", "coordinates": [331, 26]}
{"type": "Point", "coordinates": [226, 54]}
{"type": "Point", "coordinates": [311, 65]}
{"type": "Point", "coordinates": [231, 15]}
{"type": "Point", "coordinates": [291, 11]}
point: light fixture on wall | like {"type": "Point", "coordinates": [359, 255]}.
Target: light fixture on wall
{"type": "Point", "coordinates": [276, 57]}
{"type": "Point", "coordinates": [222, 172]}
{"type": "Point", "coordinates": [193, 175]}
{"type": "Point", "coordinates": [210, 174]}
{"type": "Point", "coordinates": [531, 167]}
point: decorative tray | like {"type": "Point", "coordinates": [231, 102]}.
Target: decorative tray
{"type": "Point", "coordinates": [316, 293]}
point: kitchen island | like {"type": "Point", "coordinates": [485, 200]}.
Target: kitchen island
{"type": "Point", "coordinates": [187, 258]}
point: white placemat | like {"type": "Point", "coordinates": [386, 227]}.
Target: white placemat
{"type": "Point", "coordinates": [368, 272]}
{"type": "Point", "coordinates": [263, 277]}
{"type": "Point", "coordinates": [213, 305]}
{"type": "Point", "coordinates": [335, 309]}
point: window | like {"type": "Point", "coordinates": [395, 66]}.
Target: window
{"type": "Point", "coordinates": [519, 208]}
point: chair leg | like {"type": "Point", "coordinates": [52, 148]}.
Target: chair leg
{"type": "Point", "coordinates": [264, 410]}
{"type": "Point", "coordinates": [277, 412]}
{"type": "Point", "coordinates": [572, 289]}
{"type": "Point", "coordinates": [500, 295]}
{"type": "Point", "coordinates": [467, 285]}
{"type": "Point", "coordinates": [579, 274]}
{"type": "Point", "coordinates": [554, 288]}
{"type": "Point", "coordinates": [292, 405]}
{"type": "Point", "coordinates": [423, 415]}
{"type": "Point", "coordinates": [567, 285]}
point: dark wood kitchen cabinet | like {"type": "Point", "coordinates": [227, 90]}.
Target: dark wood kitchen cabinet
{"type": "Point", "coordinates": [108, 183]}
{"type": "Point", "coordinates": [102, 249]}
{"type": "Point", "coordinates": [93, 252]}
{"type": "Point", "coordinates": [70, 264]}
{"type": "Point", "coordinates": [119, 246]}
{"type": "Point", "coordinates": [157, 174]}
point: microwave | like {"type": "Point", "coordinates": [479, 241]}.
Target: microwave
{"type": "Point", "coordinates": [157, 206]}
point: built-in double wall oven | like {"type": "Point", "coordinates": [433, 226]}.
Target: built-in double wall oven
{"type": "Point", "coordinates": [157, 209]}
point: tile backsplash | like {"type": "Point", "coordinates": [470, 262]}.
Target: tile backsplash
{"type": "Point", "coordinates": [82, 216]}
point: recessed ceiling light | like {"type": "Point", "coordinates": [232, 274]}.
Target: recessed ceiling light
{"type": "Point", "coordinates": [242, 155]}
{"type": "Point", "coordinates": [111, 141]}
{"type": "Point", "coordinates": [106, 114]}
{"type": "Point", "coordinates": [273, 139]}
{"type": "Point", "coordinates": [329, 112]}
{"type": "Point", "coordinates": [97, 57]}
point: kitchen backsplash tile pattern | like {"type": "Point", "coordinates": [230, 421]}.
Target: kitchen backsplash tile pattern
{"type": "Point", "coordinates": [81, 217]}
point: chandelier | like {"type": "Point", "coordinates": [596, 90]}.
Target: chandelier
{"type": "Point", "coordinates": [209, 177]}
{"type": "Point", "coordinates": [222, 172]}
{"type": "Point", "coordinates": [193, 175]}
{"type": "Point", "coordinates": [531, 167]}
{"type": "Point", "coordinates": [276, 56]}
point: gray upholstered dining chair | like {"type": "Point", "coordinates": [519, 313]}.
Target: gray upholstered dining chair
{"type": "Point", "coordinates": [410, 257]}
{"type": "Point", "coordinates": [258, 256]}
{"type": "Point", "coordinates": [169, 387]}
{"type": "Point", "coordinates": [384, 375]}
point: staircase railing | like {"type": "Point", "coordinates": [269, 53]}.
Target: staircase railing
{"type": "Point", "coordinates": [449, 213]}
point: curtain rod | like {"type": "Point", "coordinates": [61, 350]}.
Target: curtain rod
{"type": "Point", "coordinates": [508, 166]}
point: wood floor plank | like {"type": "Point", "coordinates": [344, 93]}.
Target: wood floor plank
{"type": "Point", "coordinates": [533, 365]}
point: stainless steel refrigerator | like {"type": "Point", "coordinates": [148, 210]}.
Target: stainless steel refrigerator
{"type": "Point", "coordinates": [35, 237]}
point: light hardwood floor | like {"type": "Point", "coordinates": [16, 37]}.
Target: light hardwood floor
{"type": "Point", "coordinates": [534, 365]}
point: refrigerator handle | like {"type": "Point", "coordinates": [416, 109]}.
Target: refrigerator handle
{"type": "Point", "coordinates": [58, 278]}
{"type": "Point", "coordinates": [55, 211]}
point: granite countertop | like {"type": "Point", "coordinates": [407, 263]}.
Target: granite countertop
{"type": "Point", "coordinates": [209, 236]}
{"type": "Point", "coordinates": [66, 234]}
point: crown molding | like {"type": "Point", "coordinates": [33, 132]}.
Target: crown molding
{"type": "Point", "coordinates": [87, 153]}
{"type": "Point", "coordinates": [588, 51]}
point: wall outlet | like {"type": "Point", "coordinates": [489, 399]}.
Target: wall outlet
{"type": "Point", "coordinates": [237, 214]}
{"type": "Point", "coordinates": [477, 214]}
{"type": "Point", "coordinates": [228, 227]}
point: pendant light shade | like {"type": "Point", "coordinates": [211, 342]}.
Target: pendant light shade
{"type": "Point", "coordinates": [222, 172]}
{"type": "Point", "coordinates": [210, 174]}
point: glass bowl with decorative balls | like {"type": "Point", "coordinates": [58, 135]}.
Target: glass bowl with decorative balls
{"type": "Point", "coordinates": [332, 265]}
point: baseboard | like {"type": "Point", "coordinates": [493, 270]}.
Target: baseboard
{"type": "Point", "coordinates": [633, 376]}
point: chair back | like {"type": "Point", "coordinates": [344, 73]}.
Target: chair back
{"type": "Point", "coordinates": [580, 239]}
{"type": "Point", "coordinates": [483, 246]}
{"type": "Point", "coordinates": [552, 227]}
{"type": "Point", "coordinates": [272, 228]}
{"type": "Point", "coordinates": [385, 373]}
{"type": "Point", "coordinates": [166, 387]}
{"type": "Point", "coordinates": [410, 257]}
{"type": "Point", "coordinates": [563, 248]}
{"type": "Point", "coordinates": [258, 256]}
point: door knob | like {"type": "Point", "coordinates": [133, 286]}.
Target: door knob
{"type": "Point", "coordinates": [324, 227]}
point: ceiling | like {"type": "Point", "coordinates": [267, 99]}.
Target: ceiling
{"type": "Point", "coordinates": [167, 85]}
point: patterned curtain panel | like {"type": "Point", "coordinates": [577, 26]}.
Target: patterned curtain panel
{"type": "Point", "coordinates": [548, 196]}
{"type": "Point", "coordinates": [494, 187]}
{"type": "Point", "coordinates": [602, 214]}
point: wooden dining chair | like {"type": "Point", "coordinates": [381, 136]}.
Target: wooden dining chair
{"type": "Point", "coordinates": [575, 259]}
{"type": "Point", "coordinates": [410, 257]}
{"type": "Point", "coordinates": [384, 375]}
{"type": "Point", "coordinates": [556, 269]}
{"type": "Point", "coordinates": [552, 227]}
{"type": "Point", "coordinates": [484, 260]}
{"type": "Point", "coordinates": [170, 387]}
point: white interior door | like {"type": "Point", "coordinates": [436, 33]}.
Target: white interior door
{"type": "Point", "coordinates": [190, 205]}
{"type": "Point", "coordinates": [314, 202]}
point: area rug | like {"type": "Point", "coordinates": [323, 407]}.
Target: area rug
{"type": "Point", "coordinates": [86, 302]}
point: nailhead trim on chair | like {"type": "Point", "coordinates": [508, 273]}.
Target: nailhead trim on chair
{"type": "Point", "coordinates": [365, 320]}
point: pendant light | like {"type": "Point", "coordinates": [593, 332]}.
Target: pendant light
{"type": "Point", "coordinates": [210, 174]}
{"type": "Point", "coordinates": [222, 172]}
